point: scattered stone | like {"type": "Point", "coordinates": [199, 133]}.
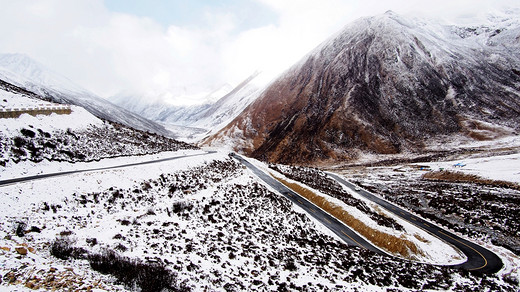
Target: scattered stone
{"type": "Point", "coordinates": [21, 250]}
{"type": "Point", "coordinates": [5, 248]}
{"type": "Point", "coordinates": [30, 285]}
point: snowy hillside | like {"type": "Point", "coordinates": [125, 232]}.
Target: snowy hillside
{"type": "Point", "coordinates": [79, 136]}
{"type": "Point", "coordinates": [202, 223]}
{"type": "Point", "coordinates": [24, 72]}
{"type": "Point", "coordinates": [387, 84]}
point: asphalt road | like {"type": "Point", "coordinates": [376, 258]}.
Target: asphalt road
{"type": "Point", "coordinates": [479, 258]}
{"type": "Point", "coordinates": [42, 176]}
{"type": "Point", "coordinates": [345, 233]}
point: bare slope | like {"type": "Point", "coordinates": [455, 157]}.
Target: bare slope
{"type": "Point", "coordinates": [386, 84]}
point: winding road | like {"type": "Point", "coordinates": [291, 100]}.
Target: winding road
{"type": "Point", "coordinates": [47, 175]}
{"type": "Point", "coordinates": [478, 258]}
{"type": "Point", "coordinates": [340, 229]}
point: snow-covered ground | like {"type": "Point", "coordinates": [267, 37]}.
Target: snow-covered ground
{"type": "Point", "coordinates": [79, 119]}
{"type": "Point", "coordinates": [13, 100]}
{"type": "Point", "coordinates": [503, 167]}
{"type": "Point", "coordinates": [29, 168]}
{"type": "Point", "coordinates": [432, 250]}
{"type": "Point", "coordinates": [206, 218]}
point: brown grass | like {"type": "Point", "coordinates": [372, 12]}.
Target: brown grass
{"type": "Point", "coordinates": [385, 241]}
{"type": "Point", "coordinates": [420, 238]}
{"type": "Point", "coordinates": [457, 176]}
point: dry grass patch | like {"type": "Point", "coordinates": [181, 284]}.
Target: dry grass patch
{"type": "Point", "coordinates": [420, 238]}
{"type": "Point", "coordinates": [385, 241]}
{"type": "Point", "coordinates": [457, 176]}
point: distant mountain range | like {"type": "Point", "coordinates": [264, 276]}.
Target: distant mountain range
{"type": "Point", "coordinates": [383, 85]}
{"type": "Point", "coordinates": [196, 121]}
{"type": "Point", "coordinates": [24, 72]}
{"type": "Point", "coordinates": [387, 84]}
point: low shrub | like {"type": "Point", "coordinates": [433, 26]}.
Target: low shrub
{"type": "Point", "coordinates": [388, 242]}
{"type": "Point", "coordinates": [180, 206]}
{"type": "Point", "coordinates": [20, 229]}
{"type": "Point", "coordinates": [27, 133]}
{"type": "Point", "coordinates": [132, 272]}
{"type": "Point", "coordinates": [62, 248]}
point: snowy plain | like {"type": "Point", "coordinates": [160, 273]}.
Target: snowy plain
{"type": "Point", "coordinates": [503, 167]}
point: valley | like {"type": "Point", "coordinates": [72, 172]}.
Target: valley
{"type": "Point", "coordinates": [387, 159]}
{"type": "Point", "coordinates": [210, 222]}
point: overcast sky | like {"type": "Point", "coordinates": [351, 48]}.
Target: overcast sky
{"type": "Point", "coordinates": [182, 49]}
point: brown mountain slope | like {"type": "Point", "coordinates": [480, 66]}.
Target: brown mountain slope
{"type": "Point", "coordinates": [386, 85]}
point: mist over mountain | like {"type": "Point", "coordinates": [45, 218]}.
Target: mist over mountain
{"type": "Point", "coordinates": [21, 70]}
{"type": "Point", "coordinates": [193, 122]}
{"type": "Point", "coordinates": [387, 84]}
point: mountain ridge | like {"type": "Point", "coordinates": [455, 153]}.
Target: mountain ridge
{"type": "Point", "coordinates": [22, 71]}
{"type": "Point", "coordinates": [384, 84]}
{"type": "Point", "coordinates": [198, 121]}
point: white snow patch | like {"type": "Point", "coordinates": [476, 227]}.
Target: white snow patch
{"type": "Point", "coordinates": [504, 167]}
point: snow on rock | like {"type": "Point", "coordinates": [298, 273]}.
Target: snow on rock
{"type": "Point", "coordinates": [207, 220]}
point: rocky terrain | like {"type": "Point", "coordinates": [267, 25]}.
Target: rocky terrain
{"type": "Point", "coordinates": [107, 140]}
{"type": "Point", "coordinates": [386, 84]}
{"type": "Point", "coordinates": [205, 224]}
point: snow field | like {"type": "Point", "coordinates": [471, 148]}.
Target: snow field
{"type": "Point", "coordinates": [503, 167]}
{"type": "Point", "coordinates": [207, 219]}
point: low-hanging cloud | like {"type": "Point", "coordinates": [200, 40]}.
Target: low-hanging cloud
{"type": "Point", "coordinates": [109, 52]}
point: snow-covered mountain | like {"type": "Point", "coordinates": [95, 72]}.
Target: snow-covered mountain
{"type": "Point", "coordinates": [158, 108]}
{"type": "Point", "coordinates": [196, 121]}
{"type": "Point", "coordinates": [21, 70]}
{"type": "Point", "coordinates": [387, 84]}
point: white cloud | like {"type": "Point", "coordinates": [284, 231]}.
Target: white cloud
{"type": "Point", "coordinates": [112, 52]}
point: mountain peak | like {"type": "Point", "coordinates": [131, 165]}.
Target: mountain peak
{"type": "Point", "coordinates": [385, 84]}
